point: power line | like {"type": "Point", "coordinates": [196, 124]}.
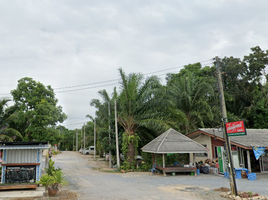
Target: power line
{"type": "Point", "coordinates": [112, 80]}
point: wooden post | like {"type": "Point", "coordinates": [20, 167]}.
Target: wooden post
{"type": "Point", "coordinates": [164, 165]}
{"type": "Point", "coordinates": [248, 158]}
{"type": "Point", "coordinates": [153, 158]}
{"type": "Point", "coordinates": [194, 163]}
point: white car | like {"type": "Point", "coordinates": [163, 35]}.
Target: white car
{"type": "Point", "coordinates": [89, 150]}
{"type": "Point", "coordinates": [81, 150]}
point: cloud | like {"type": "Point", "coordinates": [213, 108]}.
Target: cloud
{"type": "Point", "coordinates": [66, 43]}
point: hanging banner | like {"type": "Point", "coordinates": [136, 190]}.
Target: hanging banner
{"type": "Point", "coordinates": [235, 128]}
{"type": "Point", "coordinates": [258, 151]}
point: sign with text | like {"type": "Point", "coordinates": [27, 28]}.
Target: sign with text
{"type": "Point", "coordinates": [235, 128]}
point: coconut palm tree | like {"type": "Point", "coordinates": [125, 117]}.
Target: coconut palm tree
{"type": "Point", "coordinates": [7, 115]}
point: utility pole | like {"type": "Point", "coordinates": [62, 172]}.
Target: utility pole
{"type": "Point", "coordinates": [81, 137]}
{"type": "Point", "coordinates": [73, 142]}
{"type": "Point", "coordinates": [84, 137]}
{"type": "Point", "coordinates": [116, 136]}
{"type": "Point", "coordinates": [76, 146]}
{"type": "Point", "coordinates": [110, 152]}
{"type": "Point", "coordinates": [224, 117]}
{"type": "Point", "coordinates": [95, 139]}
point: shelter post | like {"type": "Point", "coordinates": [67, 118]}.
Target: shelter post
{"type": "Point", "coordinates": [164, 164]}
{"type": "Point", "coordinates": [194, 159]}
{"type": "Point", "coordinates": [153, 158]}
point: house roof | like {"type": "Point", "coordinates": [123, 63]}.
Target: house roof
{"type": "Point", "coordinates": [24, 145]}
{"type": "Point", "coordinates": [254, 137]}
{"type": "Point", "coordinates": [172, 141]}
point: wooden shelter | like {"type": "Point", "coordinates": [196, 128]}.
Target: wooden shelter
{"type": "Point", "coordinates": [172, 141]}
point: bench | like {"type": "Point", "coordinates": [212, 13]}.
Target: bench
{"type": "Point", "coordinates": [176, 169]}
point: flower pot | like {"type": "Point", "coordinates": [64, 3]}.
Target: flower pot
{"type": "Point", "coordinates": [52, 192]}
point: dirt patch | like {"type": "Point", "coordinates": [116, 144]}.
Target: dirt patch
{"type": "Point", "coordinates": [62, 195]}
{"type": "Point", "coordinates": [192, 191]}
{"type": "Point", "coordinates": [222, 189]}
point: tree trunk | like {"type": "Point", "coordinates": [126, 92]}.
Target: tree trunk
{"type": "Point", "coordinates": [131, 153]}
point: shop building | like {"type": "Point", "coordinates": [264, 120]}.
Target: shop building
{"type": "Point", "coordinates": [241, 146]}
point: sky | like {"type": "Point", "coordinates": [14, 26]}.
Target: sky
{"type": "Point", "coordinates": [77, 46]}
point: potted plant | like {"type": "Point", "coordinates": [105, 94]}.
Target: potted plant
{"type": "Point", "coordinates": [57, 179]}
{"type": "Point", "coordinates": [53, 179]}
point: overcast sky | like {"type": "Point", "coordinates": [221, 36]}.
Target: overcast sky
{"type": "Point", "coordinates": [66, 43]}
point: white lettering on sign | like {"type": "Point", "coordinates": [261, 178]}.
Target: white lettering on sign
{"type": "Point", "coordinates": [235, 127]}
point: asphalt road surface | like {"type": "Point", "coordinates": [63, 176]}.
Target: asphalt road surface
{"type": "Point", "coordinates": [85, 178]}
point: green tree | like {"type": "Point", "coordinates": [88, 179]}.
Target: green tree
{"type": "Point", "coordinates": [38, 109]}
{"type": "Point", "coordinates": [7, 116]}
{"type": "Point", "coordinates": [189, 97]}
{"type": "Point", "coordinates": [243, 83]}
{"type": "Point", "coordinates": [103, 120]}
{"type": "Point", "coordinates": [137, 109]}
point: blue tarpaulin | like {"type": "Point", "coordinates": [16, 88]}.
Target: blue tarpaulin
{"type": "Point", "coordinates": [258, 151]}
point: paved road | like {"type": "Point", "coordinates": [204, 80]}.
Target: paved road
{"type": "Point", "coordinates": [90, 183]}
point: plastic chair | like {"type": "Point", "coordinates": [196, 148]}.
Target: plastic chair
{"type": "Point", "coordinates": [153, 169]}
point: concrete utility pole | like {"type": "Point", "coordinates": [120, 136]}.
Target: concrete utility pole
{"type": "Point", "coordinates": [76, 146]}
{"type": "Point", "coordinates": [224, 116]}
{"type": "Point", "coordinates": [95, 139]}
{"type": "Point", "coordinates": [116, 136]}
{"type": "Point", "coordinates": [84, 136]}
{"type": "Point", "coordinates": [110, 152]}
{"type": "Point", "coordinates": [73, 142]}
{"type": "Point", "coordinates": [81, 137]}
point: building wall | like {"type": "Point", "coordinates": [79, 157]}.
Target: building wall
{"type": "Point", "coordinates": [216, 143]}
{"type": "Point", "coordinates": [204, 140]}
{"type": "Point", "coordinates": [21, 156]}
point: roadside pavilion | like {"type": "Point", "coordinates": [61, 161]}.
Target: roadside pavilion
{"type": "Point", "coordinates": [170, 142]}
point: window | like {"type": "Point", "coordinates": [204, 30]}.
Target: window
{"type": "Point", "coordinates": [202, 154]}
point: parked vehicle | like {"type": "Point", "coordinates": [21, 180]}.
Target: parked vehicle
{"type": "Point", "coordinates": [89, 150]}
{"type": "Point", "coordinates": [81, 150]}
{"type": "Point", "coordinates": [137, 157]}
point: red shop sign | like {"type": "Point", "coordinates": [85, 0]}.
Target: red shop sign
{"type": "Point", "coordinates": [235, 128]}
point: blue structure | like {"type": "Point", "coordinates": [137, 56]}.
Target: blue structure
{"type": "Point", "coordinates": [22, 161]}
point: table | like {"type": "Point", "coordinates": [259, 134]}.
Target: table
{"type": "Point", "coordinates": [238, 172]}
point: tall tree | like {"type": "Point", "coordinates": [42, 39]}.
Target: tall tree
{"type": "Point", "coordinates": [137, 109]}
{"type": "Point", "coordinates": [7, 116]}
{"type": "Point", "coordinates": [37, 109]}
{"type": "Point", "coordinates": [190, 95]}
{"type": "Point", "coordinates": [243, 82]}
{"type": "Point", "coordinates": [103, 120]}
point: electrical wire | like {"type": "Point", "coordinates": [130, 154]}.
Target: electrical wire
{"type": "Point", "coordinates": [112, 80]}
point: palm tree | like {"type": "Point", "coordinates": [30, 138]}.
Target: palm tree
{"type": "Point", "coordinates": [137, 108]}
{"type": "Point", "coordinates": [7, 115]}
{"type": "Point", "coordinates": [103, 120]}
{"type": "Point", "coordinates": [189, 95]}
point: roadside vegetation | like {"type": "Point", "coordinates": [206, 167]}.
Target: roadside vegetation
{"type": "Point", "coordinates": [146, 107]}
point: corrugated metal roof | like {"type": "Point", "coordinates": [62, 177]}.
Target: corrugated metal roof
{"type": "Point", "coordinates": [254, 137]}
{"type": "Point", "coordinates": [172, 141]}
{"type": "Point", "coordinates": [25, 146]}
